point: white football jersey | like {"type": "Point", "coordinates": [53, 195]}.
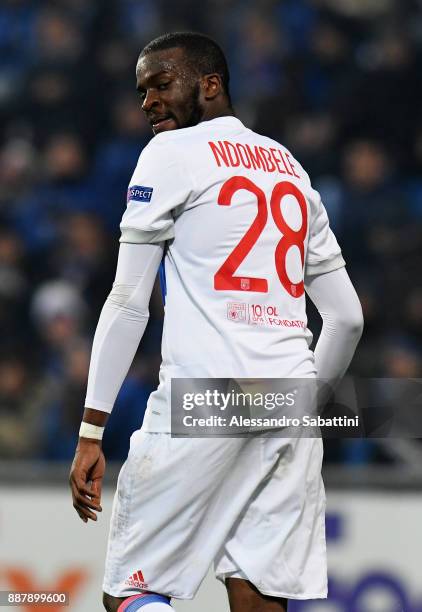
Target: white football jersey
{"type": "Point", "coordinates": [243, 226]}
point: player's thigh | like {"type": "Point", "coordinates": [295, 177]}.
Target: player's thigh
{"type": "Point", "coordinates": [111, 604]}
{"type": "Point", "coordinates": [245, 597]}
{"type": "Point", "coordinates": [171, 513]}
{"type": "Point", "coordinates": [278, 543]}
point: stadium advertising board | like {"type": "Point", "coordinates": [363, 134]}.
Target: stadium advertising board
{"type": "Point", "coordinates": [373, 549]}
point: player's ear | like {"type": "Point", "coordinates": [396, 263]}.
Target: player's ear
{"type": "Point", "coordinates": [211, 86]}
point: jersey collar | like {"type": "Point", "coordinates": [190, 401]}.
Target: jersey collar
{"type": "Point", "coordinates": [225, 120]}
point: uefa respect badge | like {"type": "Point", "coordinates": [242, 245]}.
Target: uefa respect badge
{"type": "Point", "coordinates": [139, 193]}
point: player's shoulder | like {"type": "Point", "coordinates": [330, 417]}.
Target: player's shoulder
{"type": "Point", "coordinates": [159, 142]}
{"type": "Point", "coordinates": [167, 144]}
{"type": "Point", "coordinates": [159, 152]}
{"type": "Point", "coordinates": [271, 144]}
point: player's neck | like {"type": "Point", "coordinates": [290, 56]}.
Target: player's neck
{"type": "Point", "coordinates": [214, 113]}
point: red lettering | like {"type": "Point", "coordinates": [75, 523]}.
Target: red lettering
{"type": "Point", "coordinates": [261, 158]}
{"type": "Point", "coordinates": [219, 152]}
{"type": "Point", "coordinates": [277, 161]}
{"type": "Point", "coordinates": [241, 148]}
{"type": "Point", "coordinates": [284, 163]}
{"type": "Point", "coordinates": [267, 158]}
{"type": "Point", "coordinates": [233, 162]}
{"type": "Point", "coordinates": [256, 159]}
{"type": "Point", "coordinates": [292, 166]}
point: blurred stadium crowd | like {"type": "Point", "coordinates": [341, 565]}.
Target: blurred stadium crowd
{"type": "Point", "coordinates": [337, 81]}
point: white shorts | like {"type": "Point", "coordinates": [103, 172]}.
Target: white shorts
{"type": "Point", "coordinates": [255, 506]}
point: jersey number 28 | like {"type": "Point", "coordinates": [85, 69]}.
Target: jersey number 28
{"type": "Point", "coordinates": [224, 278]}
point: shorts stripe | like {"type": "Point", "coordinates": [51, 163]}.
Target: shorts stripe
{"type": "Point", "coordinates": [136, 602]}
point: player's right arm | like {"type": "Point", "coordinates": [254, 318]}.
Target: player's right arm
{"type": "Point", "coordinates": [158, 185]}
{"type": "Point", "coordinates": [119, 330]}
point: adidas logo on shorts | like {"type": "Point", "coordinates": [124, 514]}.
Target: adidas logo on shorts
{"type": "Point", "coordinates": [137, 581]}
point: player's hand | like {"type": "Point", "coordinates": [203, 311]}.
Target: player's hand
{"type": "Point", "coordinates": [86, 475]}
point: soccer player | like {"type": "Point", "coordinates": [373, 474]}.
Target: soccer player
{"type": "Point", "coordinates": [241, 232]}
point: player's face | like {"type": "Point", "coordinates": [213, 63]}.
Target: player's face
{"type": "Point", "coordinates": [169, 90]}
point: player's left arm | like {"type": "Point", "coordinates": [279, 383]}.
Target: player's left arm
{"type": "Point", "coordinates": [330, 288]}
{"type": "Point", "coordinates": [342, 322]}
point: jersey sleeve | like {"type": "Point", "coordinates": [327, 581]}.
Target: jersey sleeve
{"type": "Point", "coordinates": [159, 184]}
{"type": "Point", "coordinates": [323, 253]}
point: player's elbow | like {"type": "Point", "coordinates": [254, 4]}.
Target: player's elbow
{"type": "Point", "coordinates": [128, 302]}
{"type": "Point", "coordinates": [353, 323]}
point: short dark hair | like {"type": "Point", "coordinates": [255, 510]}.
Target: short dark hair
{"type": "Point", "coordinates": [204, 55]}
